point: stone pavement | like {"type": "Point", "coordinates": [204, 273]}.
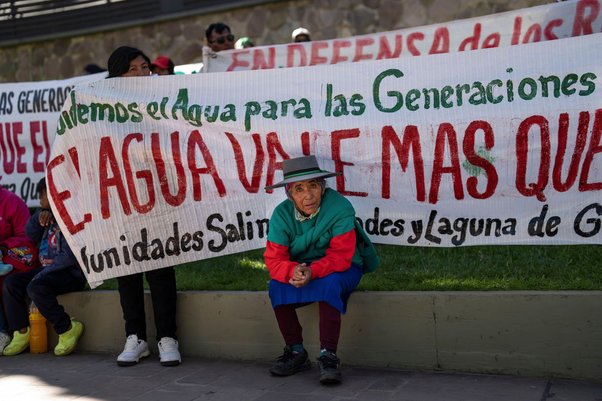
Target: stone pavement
{"type": "Point", "coordinates": [97, 377]}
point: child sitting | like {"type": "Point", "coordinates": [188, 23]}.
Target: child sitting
{"type": "Point", "coordinates": [59, 274]}
{"type": "Point", "coordinates": [13, 217]}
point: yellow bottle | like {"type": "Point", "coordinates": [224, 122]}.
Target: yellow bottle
{"type": "Point", "coordinates": [38, 334]}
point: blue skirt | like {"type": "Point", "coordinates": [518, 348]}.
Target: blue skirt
{"type": "Point", "coordinates": [333, 289]}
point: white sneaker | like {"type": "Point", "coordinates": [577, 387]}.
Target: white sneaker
{"type": "Point", "coordinates": [132, 352]}
{"type": "Point", "coordinates": [4, 341]}
{"type": "Point", "coordinates": [168, 350]}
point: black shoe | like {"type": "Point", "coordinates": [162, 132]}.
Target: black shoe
{"type": "Point", "coordinates": [330, 368]}
{"type": "Point", "coordinates": [290, 363]}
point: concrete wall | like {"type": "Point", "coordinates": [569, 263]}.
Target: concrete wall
{"type": "Point", "coordinates": [183, 38]}
{"type": "Point", "coordinates": [525, 333]}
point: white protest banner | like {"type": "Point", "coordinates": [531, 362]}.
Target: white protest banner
{"type": "Point", "coordinates": [28, 117]}
{"type": "Point", "coordinates": [500, 146]}
{"type": "Point", "coordinates": [28, 110]}
{"type": "Point", "coordinates": [535, 24]}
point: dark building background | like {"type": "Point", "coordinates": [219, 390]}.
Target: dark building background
{"type": "Point", "coordinates": [44, 40]}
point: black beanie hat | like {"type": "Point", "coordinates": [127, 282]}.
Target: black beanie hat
{"type": "Point", "coordinates": [119, 60]}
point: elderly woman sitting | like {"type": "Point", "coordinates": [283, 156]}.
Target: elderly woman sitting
{"type": "Point", "coordinates": [316, 252]}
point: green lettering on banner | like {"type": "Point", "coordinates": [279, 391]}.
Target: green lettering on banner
{"type": "Point", "coordinates": [376, 91]}
{"type": "Point", "coordinates": [181, 104]}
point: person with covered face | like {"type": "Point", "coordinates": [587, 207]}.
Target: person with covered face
{"type": "Point", "coordinates": [316, 252]}
{"type": "Point", "coordinates": [128, 61]}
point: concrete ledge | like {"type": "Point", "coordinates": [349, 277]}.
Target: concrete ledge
{"type": "Point", "coordinates": [525, 333]}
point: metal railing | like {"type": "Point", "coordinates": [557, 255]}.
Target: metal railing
{"type": "Point", "coordinates": [24, 21]}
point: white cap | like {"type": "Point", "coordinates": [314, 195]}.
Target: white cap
{"type": "Point", "coordinates": [300, 31]}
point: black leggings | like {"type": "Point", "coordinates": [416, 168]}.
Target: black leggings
{"type": "Point", "coordinates": [162, 284]}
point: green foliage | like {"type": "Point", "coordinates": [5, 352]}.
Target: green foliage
{"type": "Point", "coordinates": [482, 268]}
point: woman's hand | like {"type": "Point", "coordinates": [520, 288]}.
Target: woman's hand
{"type": "Point", "coordinates": [301, 276]}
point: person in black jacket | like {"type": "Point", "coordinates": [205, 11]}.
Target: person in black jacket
{"type": "Point", "coordinates": [59, 274]}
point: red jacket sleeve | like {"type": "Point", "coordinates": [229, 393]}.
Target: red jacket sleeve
{"type": "Point", "coordinates": [17, 217]}
{"type": "Point", "coordinates": [338, 256]}
{"type": "Point", "coordinates": [278, 261]}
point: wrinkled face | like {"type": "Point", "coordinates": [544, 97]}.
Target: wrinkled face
{"type": "Point", "coordinates": [138, 68]}
{"type": "Point", "coordinates": [307, 196]}
{"type": "Point", "coordinates": [221, 41]}
{"type": "Point", "coordinates": [44, 203]}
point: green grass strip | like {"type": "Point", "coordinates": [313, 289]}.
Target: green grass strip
{"type": "Point", "coordinates": [481, 268]}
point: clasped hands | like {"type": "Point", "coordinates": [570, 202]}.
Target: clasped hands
{"type": "Point", "coordinates": [301, 276]}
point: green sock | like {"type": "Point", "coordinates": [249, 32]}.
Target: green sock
{"type": "Point", "coordinates": [297, 348]}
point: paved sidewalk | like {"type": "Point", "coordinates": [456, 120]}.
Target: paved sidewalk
{"type": "Point", "coordinates": [97, 377]}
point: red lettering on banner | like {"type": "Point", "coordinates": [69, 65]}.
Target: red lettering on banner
{"type": "Point", "coordinates": [360, 43]}
{"type": "Point", "coordinates": [305, 143]}
{"type": "Point", "coordinates": [316, 58]}
{"type": "Point", "coordinates": [290, 55]}
{"type": "Point", "coordinates": [237, 62]}
{"type": "Point", "coordinates": [107, 160]}
{"type": "Point", "coordinates": [252, 187]}
{"type": "Point", "coordinates": [478, 161]}
{"type": "Point", "coordinates": [384, 49]}
{"type": "Point", "coordinates": [260, 62]}
{"type": "Point", "coordinates": [411, 139]}
{"type": "Point", "coordinates": [586, 12]}
{"type": "Point", "coordinates": [472, 41]}
{"type": "Point", "coordinates": [337, 46]}
{"type": "Point", "coordinates": [563, 128]}
{"type": "Point", "coordinates": [36, 127]}
{"type": "Point", "coordinates": [19, 150]}
{"type": "Point", "coordinates": [491, 41]}
{"type": "Point", "coordinates": [59, 198]}
{"type": "Point", "coordinates": [144, 175]}
{"type": "Point", "coordinates": [522, 157]}
{"type": "Point", "coordinates": [411, 39]}
{"type": "Point", "coordinates": [548, 32]}
{"type": "Point", "coordinates": [518, 21]}
{"type": "Point", "coordinates": [273, 146]}
{"type": "Point", "coordinates": [195, 140]}
{"type": "Point", "coordinates": [339, 164]}
{"type": "Point", "coordinates": [8, 150]}
{"type": "Point", "coordinates": [595, 147]}
{"type": "Point", "coordinates": [534, 31]}
{"type": "Point", "coordinates": [74, 160]}
{"type": "Point", "coordinates": [440, 41]}
{"type": "Point", "coordinates": [446, 133]}
{"type": "Point", "coordinates": [178, 198]}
